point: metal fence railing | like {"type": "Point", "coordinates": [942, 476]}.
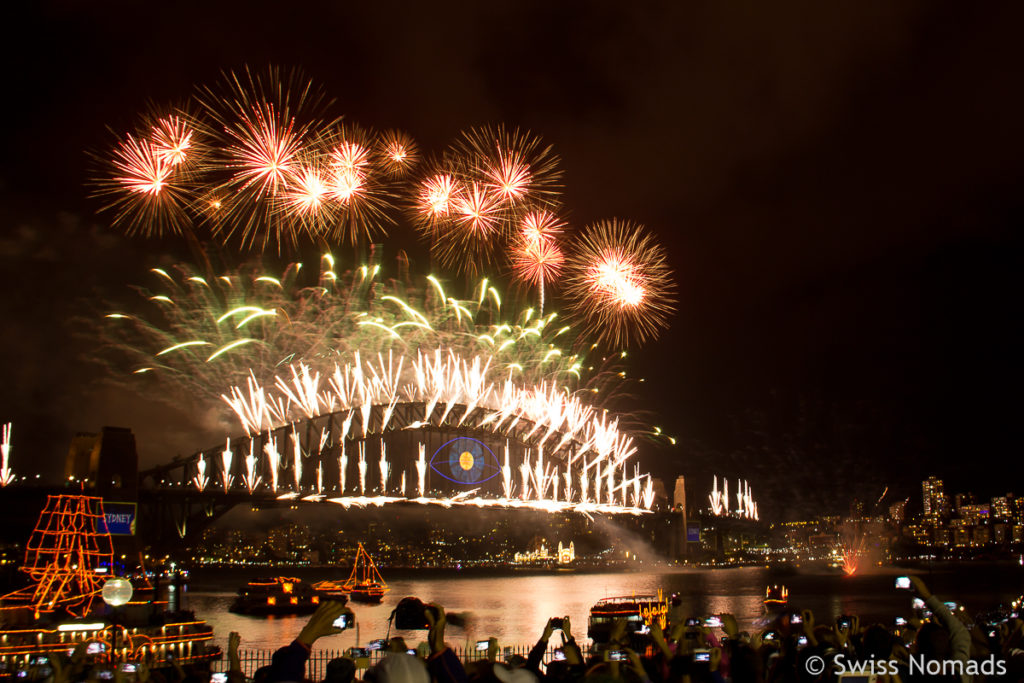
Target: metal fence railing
{"type": "Point", "coordinates": [316, 666]}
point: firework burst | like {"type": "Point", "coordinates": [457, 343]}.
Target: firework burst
{"type": "Point", "coordinates": [265, 124]}
{"type": "Point", "coordinates": [513, 164]}
{"type": "Point", "coordinates": [355, 185]}
{"type": "Point", "coordinates": [397, 153]}
{"type": "Point", "coordinates": [433, 202]}
{"type": "Point", "coordinates": [145, 181]}
{"type": "Point", "coordinates": [620, 285]}
{"type": "Point", "coordinates": [256, 160]}
{"type": "Point", "coordinates": [536, 257]}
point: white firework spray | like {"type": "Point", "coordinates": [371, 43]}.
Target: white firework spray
{"type": "Point", "coordinates": [201, 480]}
{"type": "Point", "coordinates": [421, 470]}
{"type": "Point", "coordinates": [506, 476]}
{"type": "Point", "coordinates": [6, 473]}
{"type": "Point", "coordinates": [296, 459]}
{"type": "Point", "coordinates": [524, 475]}
{"type": "Point", "coordinates": [251, 479]}
{"type": "Point", "coordinates": [362, 467]}
{"type": "Point", "coordinates": [385, 468]}
{"type": "Point", "coordinates": [273, 460]}
{"type": "Point", "coordinates": [226, 457]}
{"type": "Point", "coordinates": [342, 468]}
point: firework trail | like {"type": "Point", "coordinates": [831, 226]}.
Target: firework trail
{"type": "Point", "coordinates": [525, 474]}
{"type": "Point", "coordinates": [296, 458]}
{"type": "Point", "coordinates": [506, 476]}
{"type": "Point", "coordinates": [715, 498]}
{"type": "Point", "coordinates": [648, 496]}
{"type": "Point", "coordinates": [421, 470]}
{"type": "Point", "coordinates": [584, 483]}
{"type": "Point", "coordinates": [385, 468]}
{"type": "Point", "coordinates": [362, 467]}
{"type": "Point", "coordinates": [205, 333]}
{"type": "Point", "coordinates": [6, 473]}
{"type": "Point", "coordinates": [619, 284]}
{"type": "Point", "coordinates": [342, 468]}
{"type": "Point", "coordinates": [273, 460]}
{"type": "Point", "coordinates": [201, 480]}
{"type": "Point", "coordinates": [225, 465]}
{"type": "Point", "coordinates": [251, 479]}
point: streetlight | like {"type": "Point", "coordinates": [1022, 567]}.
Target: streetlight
{"type": "Point", "coordinates": [116, 592]}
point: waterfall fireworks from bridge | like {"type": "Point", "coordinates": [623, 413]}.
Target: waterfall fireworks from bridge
{"type": "Point", "coordinates": [363, 390]}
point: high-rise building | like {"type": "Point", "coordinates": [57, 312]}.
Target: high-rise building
{"type": "Point", "coordinates": [931, 494]}
{"type": "Point", "coordinates": [898, 512]}
{"type": "Point", "coordinates": [1001, 507]}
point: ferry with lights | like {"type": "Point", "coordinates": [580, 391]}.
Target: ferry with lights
{"type": "Point", "coordinates": [639, 611]}
{"type": "Point", "coordinates": [64, 607]}
{"type": "Point", "coordinates": [281, 595]}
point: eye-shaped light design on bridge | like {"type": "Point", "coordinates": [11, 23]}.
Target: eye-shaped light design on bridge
{"type": "Point", "coordinates": [465, 461]}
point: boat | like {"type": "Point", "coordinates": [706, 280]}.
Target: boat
{"type": "Point", "coordinates": [639, 611]}
{"type": "Point", "coordinates": [279, 595]}
{"type": "Point", "coordinates": [365, 583]}
{"type": "Point", "coordinates": [776, 598]}
{"type": "Point", "coordinates": [69, 561]}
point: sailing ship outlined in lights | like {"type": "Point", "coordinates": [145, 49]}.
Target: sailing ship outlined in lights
{"type": "Point", "coordinates": [365, 584]}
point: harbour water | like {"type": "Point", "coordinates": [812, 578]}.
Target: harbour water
{"type": "Point", "coordinates": [515, 606]}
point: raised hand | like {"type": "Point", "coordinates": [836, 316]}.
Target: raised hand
{"type": "Point", "coordinates": [842, 635]}
{"type": "Point", "coordinates": [437, 621]}
{"type": "Point", "coordinates": [920, 588]}
{"type": "Point", "coordinates": [636, 664]}
{"type": "Point", "coordinates": [234, 640]}
{"type": "Point", "coordinates": [322, 622]}
{"type": "Point", "coordinates": [809, 628]}
{"type": "Point", "coordinates": [658, 636]}
{"type": "Point", "coordinates": [729, 625]}
{"type": "Point", "coordinates": [618, 631]}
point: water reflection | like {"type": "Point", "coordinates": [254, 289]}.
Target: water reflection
{"type": "Point", "coordinates": [515, 608]}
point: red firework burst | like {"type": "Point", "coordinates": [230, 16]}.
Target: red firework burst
{"type": "Point", "coordinates": [620, 285]}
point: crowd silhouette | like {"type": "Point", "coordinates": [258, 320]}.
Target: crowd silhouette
{"type": "Point", "coordinates": [940, 642]}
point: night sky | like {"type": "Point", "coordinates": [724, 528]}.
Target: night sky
{"type": "Point", "coordinates": [839, 190]}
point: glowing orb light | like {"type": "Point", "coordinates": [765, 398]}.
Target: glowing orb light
{"type": "Point", "coordinates": [117, 591]}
